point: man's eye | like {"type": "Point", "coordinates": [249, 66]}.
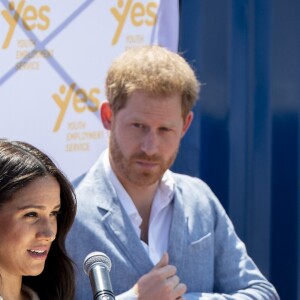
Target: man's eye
{"type": "Point", "coordinates": [137, 125]}
{"type": "Point", "coordinates": [165, 129]}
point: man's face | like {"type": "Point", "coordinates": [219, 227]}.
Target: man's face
{"type": "Point", "coordinates": [145, 137]}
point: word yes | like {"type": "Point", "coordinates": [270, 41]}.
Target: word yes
{"type": "Point", "coordinates": [31, 18]}
{"type": "Point", "coordinates": [81, 101]}
{"type": "Point", "coordinates": [139, 14]}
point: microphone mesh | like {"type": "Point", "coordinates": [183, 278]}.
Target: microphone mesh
{"type": "Point", "coordinates": [96, 258]}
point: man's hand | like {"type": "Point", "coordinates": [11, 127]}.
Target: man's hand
{"type": "Point", "coordinates": [160, 283]}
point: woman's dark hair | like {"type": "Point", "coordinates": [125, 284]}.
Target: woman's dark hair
{"type": "Point", "coordinates": [21, 164]}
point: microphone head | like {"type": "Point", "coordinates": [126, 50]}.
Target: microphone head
{"type": "Point", "coordinates": [95, 258]}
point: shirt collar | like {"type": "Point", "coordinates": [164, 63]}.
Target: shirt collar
{"type": "Point", "coordinates": [166, 188]}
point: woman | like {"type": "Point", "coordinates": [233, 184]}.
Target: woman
{"type": "Point", "coordinates": [37, 209]}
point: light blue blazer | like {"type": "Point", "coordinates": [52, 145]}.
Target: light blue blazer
{"type": "Point", "coordinates": [210, 258]}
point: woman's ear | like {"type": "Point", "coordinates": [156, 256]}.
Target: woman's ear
{"type": "Point", "coordinates": [106, 114]}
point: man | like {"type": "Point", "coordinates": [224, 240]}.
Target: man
{"type": "Point", "coordinates": [167, 235]}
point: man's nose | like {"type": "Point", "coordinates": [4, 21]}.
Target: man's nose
{"type": "Point", "coordinates": [150, 143]}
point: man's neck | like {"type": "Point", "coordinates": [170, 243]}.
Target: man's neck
{"type": "Point", "coordinates": [142, 196]}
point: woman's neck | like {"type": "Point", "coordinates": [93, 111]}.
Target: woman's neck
{"type": "Point", "coordinates": [11, 289]}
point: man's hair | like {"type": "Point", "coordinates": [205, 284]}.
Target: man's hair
{"type": "Point", "coordinates": [154, 70]}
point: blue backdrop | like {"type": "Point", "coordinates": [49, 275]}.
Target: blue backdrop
{"type": "Point", "coordinates": [244, 140]}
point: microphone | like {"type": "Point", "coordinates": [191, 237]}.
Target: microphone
{"type": "Point", "coordinates": [97, 266]}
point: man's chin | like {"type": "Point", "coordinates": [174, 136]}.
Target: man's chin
{"type": "Point", "coordinates": [144, 180]}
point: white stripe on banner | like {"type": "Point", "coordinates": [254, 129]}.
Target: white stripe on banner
{"type": "Point", "coordinates": [167, 29]}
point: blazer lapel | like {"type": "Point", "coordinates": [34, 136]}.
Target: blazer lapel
{"type": "Point", "coordinates": [119, 226]}
{"type": "Point", "coordinates": [178, 239]}
{"type": "Point", "coordinates": [122, 232]}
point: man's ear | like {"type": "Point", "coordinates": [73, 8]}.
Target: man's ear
{"type": "Point", "coordinates": [187, 122]}
{"type": "Point", "coordinates": [106, 115]}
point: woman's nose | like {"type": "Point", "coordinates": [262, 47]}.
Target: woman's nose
{"type": "Point", "coordinates": [47, 230]}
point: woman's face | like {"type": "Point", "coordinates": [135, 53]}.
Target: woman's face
{"type": "Point", "coordinates": [28, 225]}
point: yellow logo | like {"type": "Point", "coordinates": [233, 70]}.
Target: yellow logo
{"type": "Point", "coordinates": [138, 13]}
{"type": "Point", "coordinates": [79, 97]}
{"type": "Point", "coordinates": [31, 17]}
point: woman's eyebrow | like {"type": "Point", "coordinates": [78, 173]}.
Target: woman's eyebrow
{"type": "Point", "coordinates": [36, 207]}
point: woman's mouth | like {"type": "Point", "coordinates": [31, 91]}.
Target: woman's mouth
{"type": "Point", "coordinates": [39, 254]}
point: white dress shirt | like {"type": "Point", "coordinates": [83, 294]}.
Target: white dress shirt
{"type": "Point", "coordinates": [160, 216]}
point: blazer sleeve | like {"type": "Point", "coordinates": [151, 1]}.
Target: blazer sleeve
{"type": "Point", "coordinates": [236, 275]}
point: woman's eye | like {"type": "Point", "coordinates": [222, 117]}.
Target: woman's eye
{"type": "Point", "coordinates": [31, 215]}
{"type": "Point", "coordinates": [56, 213]}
